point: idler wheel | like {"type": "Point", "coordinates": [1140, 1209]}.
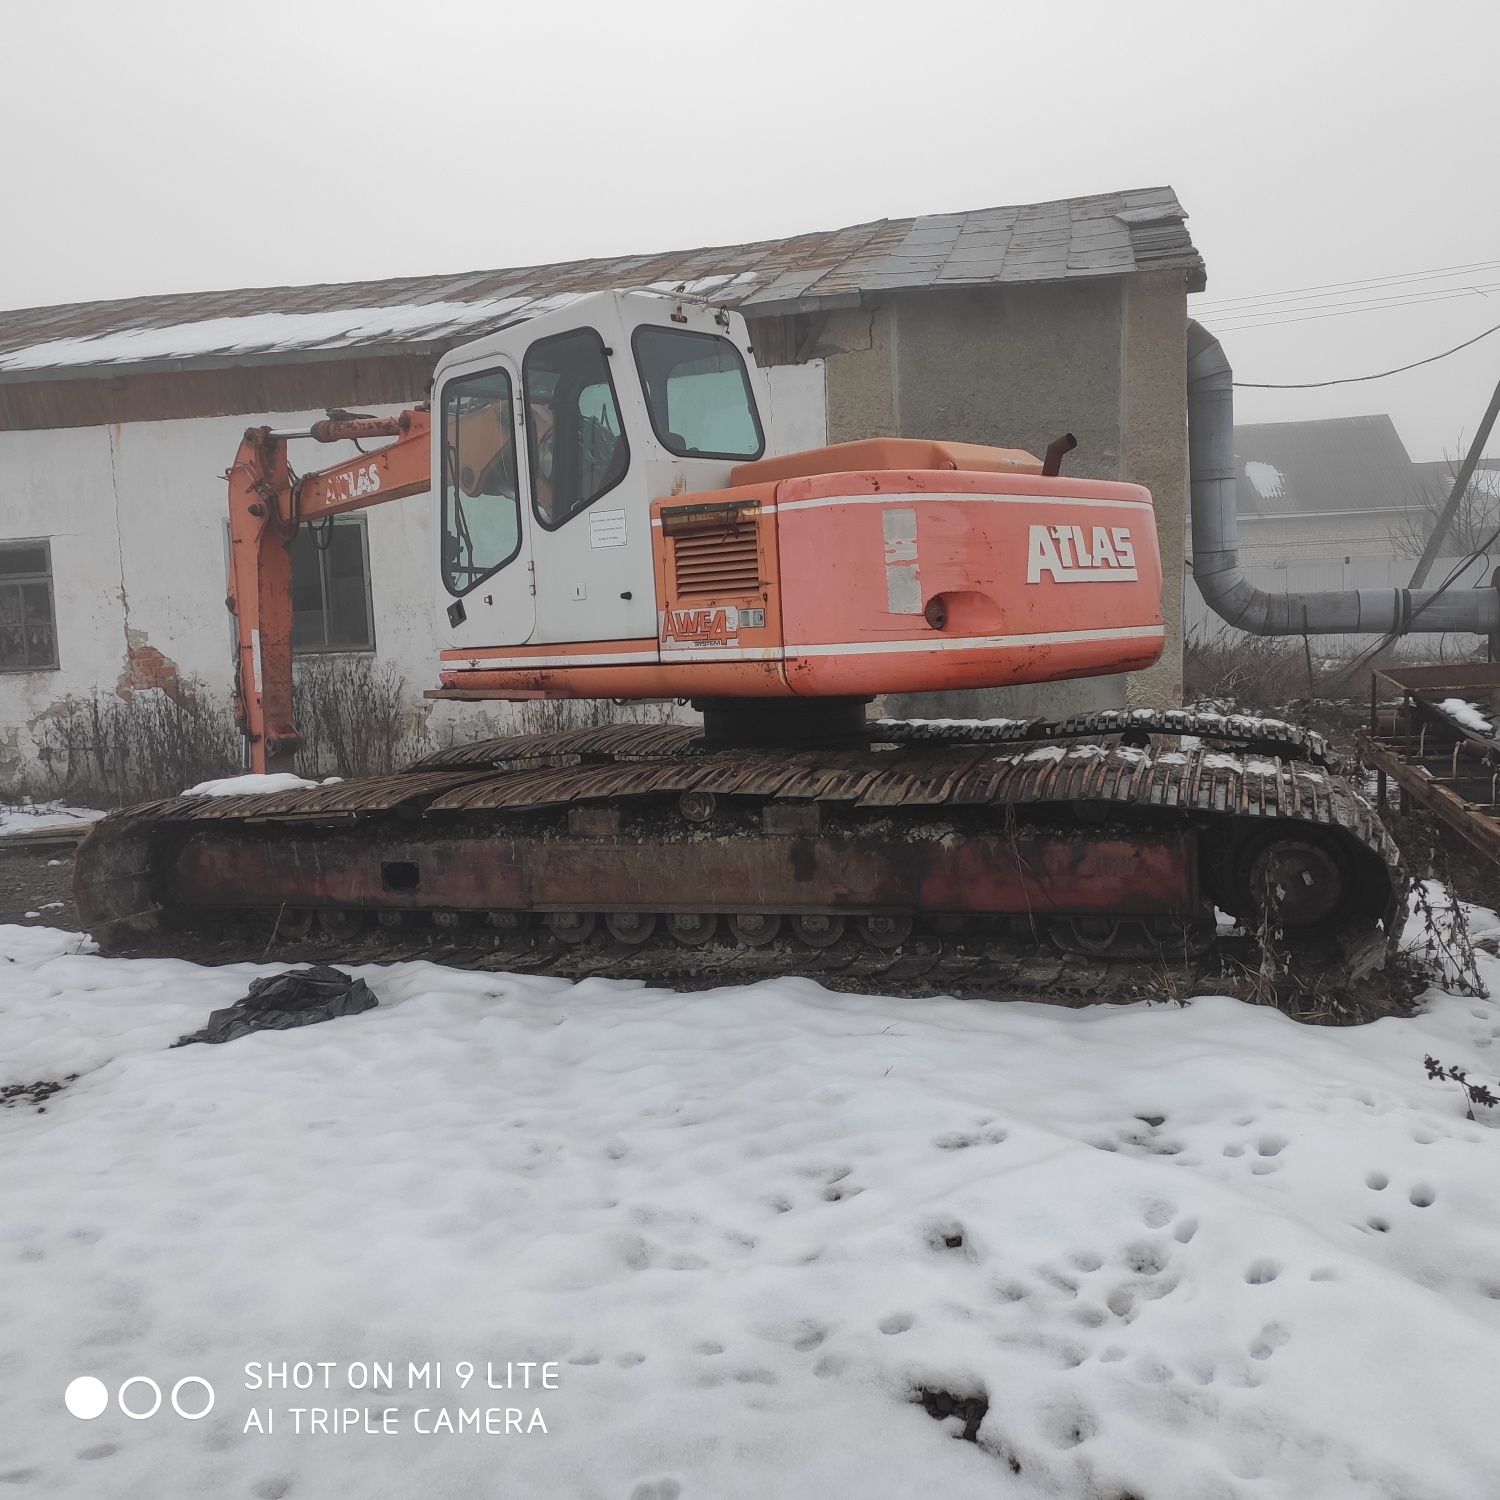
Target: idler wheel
{"type": "Point", "coordinates": [885, 931]}
{"type": "Point", "coordinates": [632, 927]}
{"type": "Point", "coordinates": [341, 924]}
{"type": "Point", "coordinates": [571, 926]}
{"type": "Point", "coordinates": [1298, 881]}
{"type": "Point", "coordinates": [693, 928]}
{"type": "Point", "coordinates": [754, 928]}
{"type": "Point", "coordinates": [818, 929]}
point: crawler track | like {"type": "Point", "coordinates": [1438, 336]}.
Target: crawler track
{"type": "Point", "coordinates": [1000, 858]}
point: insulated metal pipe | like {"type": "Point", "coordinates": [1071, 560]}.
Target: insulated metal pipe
{"type": "Point", "coordinates": [1216, 563]}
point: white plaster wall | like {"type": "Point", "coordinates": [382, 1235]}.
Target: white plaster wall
{"type": "Point", "coordinates": [136, 517]}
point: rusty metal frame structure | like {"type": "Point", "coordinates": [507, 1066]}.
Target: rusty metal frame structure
{"type": "Point", "coordinates": [1442, 764]}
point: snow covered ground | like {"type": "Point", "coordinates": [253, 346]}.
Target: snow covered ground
{"type": "Point", "coordinates": [1195, 1253]}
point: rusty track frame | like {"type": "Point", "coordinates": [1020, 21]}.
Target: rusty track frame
{"type": "Point", "coordinates": [1439, 763]}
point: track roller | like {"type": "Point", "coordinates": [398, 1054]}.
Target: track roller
{"type": "Point", "coordinates": [293, 923]}
{"type": "Point", "coordinates": [632, 927]}
{"type": "Point", "coordinates": [885, 931]}
{"type": "Point", "coordinates": [817, 929]}
{"type": "Point", "coordinates": [693, 928]}
{"type": "Point", "coordinates": [341, 924]}
{"type": "Point", "coordinates": [754, 929]}
{"type": "Point", "coordinates": [571, 927]}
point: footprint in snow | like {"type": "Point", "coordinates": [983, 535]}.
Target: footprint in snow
{"type": "Point", "coordinates": [1422, 1196]}
{"type": "Point", "coordinates": [1144, 1259]}
{"type": "Point", "coordinates": [1271, 1338]}
{"type": "Point", "coordinates": [897, 1322]}
{"type": "Point", "coordinates": [1068, 1424]}
{"type": "Point", "coordinates": [1260, 1272]}
{"type": "Point", "coordinates": [665, 1488]}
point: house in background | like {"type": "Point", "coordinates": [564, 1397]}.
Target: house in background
{"type": "Point", "coordinates": [1332, 504]}
{"type": "Point", "coordinates": [118, 419]}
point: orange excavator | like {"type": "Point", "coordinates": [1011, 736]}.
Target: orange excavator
{"type": "Point", "coordinates": [616, 521]}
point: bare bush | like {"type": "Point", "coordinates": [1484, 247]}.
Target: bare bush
{"type": "Point", "coordinates": [105, 751]}
{"type": "Point", "coordinates": [1475, 525]}
{"type": "Point", "coordinates": [554, 715]}
{"type": "Point", "coordinates": [354, 717]}
{"type": "Point", "coordinates": [1265, 673]}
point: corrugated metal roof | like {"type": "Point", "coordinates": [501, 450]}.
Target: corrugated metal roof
{"type": "Point", "coordinates": [1311, 468]}
{"type": "Point", "coordinates": [1106, 234]}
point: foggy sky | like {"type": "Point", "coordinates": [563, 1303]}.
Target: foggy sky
{"type": "Point", "coordinates": [162, 146]}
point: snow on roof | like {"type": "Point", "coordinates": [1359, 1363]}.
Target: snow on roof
{"type": "Point", "coordinates": [1104, 234]}
{"type": "Point", "coordinates": [265, 332]}
{"type": "Point", "coordinates": [1269, 481]}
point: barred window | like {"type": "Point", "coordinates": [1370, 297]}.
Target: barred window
{"type": "Point", "coordinates": [28, 619]}
{"type": "Point", "coordinates": [331, 588]}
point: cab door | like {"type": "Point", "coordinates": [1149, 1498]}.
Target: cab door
{"type": "Point", "coordinates": [591, 535]}
{"type": "Point", "coordinates": [485, 553]}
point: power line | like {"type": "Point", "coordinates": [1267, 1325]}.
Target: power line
{"type": "Point", "coordinates": [1313, 385]}
{"type": "Point", "coordinates": [1337, 286]}
{"type": "Point", "coordinates": [1350, 309]}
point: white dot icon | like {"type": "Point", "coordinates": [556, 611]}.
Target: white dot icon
{"type": "Point", "coordinates": [86, 1397]}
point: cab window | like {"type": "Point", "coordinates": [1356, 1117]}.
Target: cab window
{"type": "Point", "coordinates": [481, 500]}
{"type": "Point", "coordinates": [698, 392]}
{"type": "Point", "coordinates": [574, 434]}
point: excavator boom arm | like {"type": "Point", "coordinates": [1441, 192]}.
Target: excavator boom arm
{"type": "Point", "coordinates": [267, 503]}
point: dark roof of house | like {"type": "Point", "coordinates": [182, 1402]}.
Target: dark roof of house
{"type": "Point", "coordinates": [1106, 234]}
{"type": "Point", "coordinates": [1436, 477]}
{"type": "Point", "coordinates": [1309, 468]}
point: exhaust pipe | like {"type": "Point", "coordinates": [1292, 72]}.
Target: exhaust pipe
{"type": "Point", "coordinates": [1216, 563]}
{"type": "Point", "coordinates": [1052, 460]}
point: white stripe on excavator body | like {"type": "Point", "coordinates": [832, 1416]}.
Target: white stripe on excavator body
{"type": "Point", "coordinates": [838, 648]}
{"type": "Point", "coordinates": [895, 498]}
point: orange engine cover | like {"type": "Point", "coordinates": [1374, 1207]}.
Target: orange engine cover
{"type": "Point", "coordinates": [867, 582]}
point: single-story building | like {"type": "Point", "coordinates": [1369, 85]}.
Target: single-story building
{"type": "Point", "coordinates": [118, 420]}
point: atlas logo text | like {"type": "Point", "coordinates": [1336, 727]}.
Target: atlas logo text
{"type": "Point", "coordinates": [1080, 554]}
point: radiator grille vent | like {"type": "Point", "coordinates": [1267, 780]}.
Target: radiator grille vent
{"type": "Point", "coordinates": [721, 561]}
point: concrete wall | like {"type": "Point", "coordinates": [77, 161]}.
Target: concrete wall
{"type": "Point", "coordinates": [135, 513]}
{"type": "Point", "coordinates": [1015, 366]}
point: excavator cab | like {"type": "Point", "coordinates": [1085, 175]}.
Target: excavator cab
{"type": "Point", "coordinates": [554, 436]}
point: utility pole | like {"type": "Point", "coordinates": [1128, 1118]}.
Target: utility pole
{"type": "Point", "coordinates": [1460, 486]}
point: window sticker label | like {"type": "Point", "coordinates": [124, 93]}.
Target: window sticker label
{"type": "Point", "coordinates": [607, 528]}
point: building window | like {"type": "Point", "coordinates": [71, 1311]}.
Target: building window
{"type": "Point", "coordinates": [331, 587]}
{"type": "Point", "coordinates": [28, 621]}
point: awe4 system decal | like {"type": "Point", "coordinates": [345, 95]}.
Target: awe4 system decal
{"type": "Point", "coordinates": [711, 625]}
